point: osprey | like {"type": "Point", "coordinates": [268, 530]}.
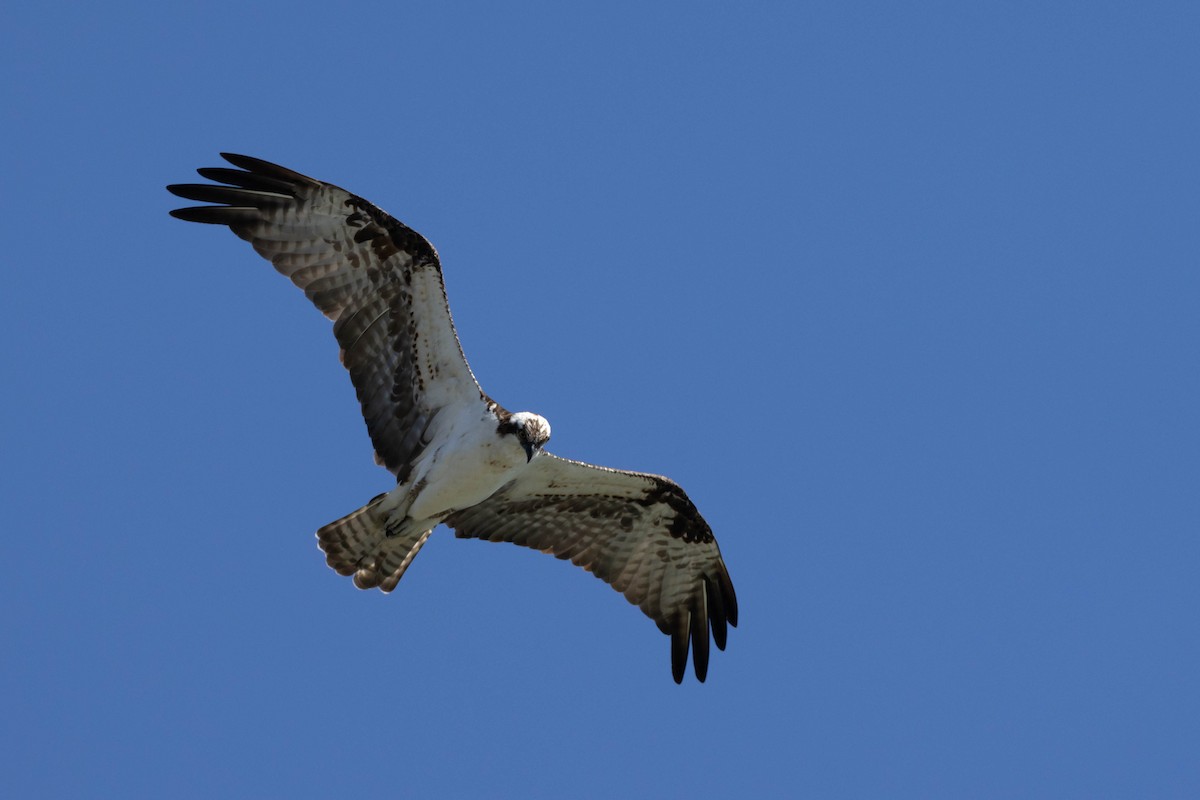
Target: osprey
{"type": "Point", "coordinates": [457, 455]}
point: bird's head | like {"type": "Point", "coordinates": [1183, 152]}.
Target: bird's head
{"type": "Point", "coordinates": [532, 431]}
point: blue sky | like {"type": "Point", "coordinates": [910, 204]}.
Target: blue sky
{"type": "Point", "coordinates": [905, 297]}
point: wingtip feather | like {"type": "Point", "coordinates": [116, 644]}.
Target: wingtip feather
{"type": "Point", "coordinates": [216, 215]}
{"type": "Point", "coordinates": [679, 647]}
{"type": "Point", "coordinates": [699, 632]}
{"type": "Point", "coordinates": [716, 612]}
{"type": "Point", "coordinates": [267, 168]}
{"type": "Point", "coordinates": [728, 597]}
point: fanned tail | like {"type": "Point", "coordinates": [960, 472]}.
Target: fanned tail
{"type": "Point", "coordinates": [358, 544]}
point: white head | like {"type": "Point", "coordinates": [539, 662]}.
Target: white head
{"type": "Point", "coordinates": [532, 431]}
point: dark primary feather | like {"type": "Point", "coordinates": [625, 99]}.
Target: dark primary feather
{"type": "Point", "coordinates": [377, 279]}
{"type": "Point", "coordinates": [266, 169]}
{"type": "Point", "coordinates": [246, 198]}
{"type": "Point", "coordinates": [248, 180]}
{"type": "Point", "coordinates": [218, 215]}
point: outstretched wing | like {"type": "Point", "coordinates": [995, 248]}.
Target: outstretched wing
{"type": "Point", "coordinates": [378, 280]}
{"type": "Point", "coordinates": [639, 533]}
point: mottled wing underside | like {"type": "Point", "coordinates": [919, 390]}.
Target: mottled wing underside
{"type": "Point", "coordinates": [378, 280]}
{"type": "Point", "coordinates": [639, 533]}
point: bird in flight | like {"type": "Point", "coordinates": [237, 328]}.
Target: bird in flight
{"type": "Point", "coordinates": [458, 456]}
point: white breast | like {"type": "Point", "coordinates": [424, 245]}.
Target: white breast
{"type": "Point", "coordinates": [469, 463]}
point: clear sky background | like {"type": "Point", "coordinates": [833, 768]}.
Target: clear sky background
{"type": "Point", "coordinates": [905, 295]}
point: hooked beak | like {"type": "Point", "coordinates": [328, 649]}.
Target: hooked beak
{"type": "Point", "coordinates": [529, 451]}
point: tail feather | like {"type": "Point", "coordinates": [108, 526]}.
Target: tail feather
{"type": "Point", "coordinates": [358, 544]}
{"type": "Point", "coordinates": [394, 574]}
